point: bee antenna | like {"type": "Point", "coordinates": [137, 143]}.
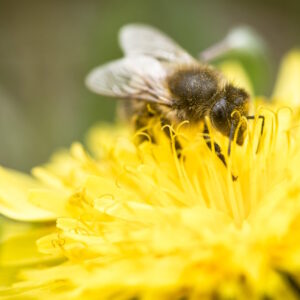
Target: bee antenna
{"type": "Point", "coordinates": [261, 129]}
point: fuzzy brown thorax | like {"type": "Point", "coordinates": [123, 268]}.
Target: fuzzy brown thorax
{"type": "Point", "coordinates": [193, 89]}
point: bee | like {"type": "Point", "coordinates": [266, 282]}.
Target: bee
{"type": "Point", "coordinates": [156, 71]}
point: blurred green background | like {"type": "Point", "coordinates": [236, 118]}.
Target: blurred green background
{"type": "Point", "coordinates": [48, 47]}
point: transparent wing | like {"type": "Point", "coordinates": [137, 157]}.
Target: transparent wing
{"type": "Point", "coordinates": [136, 39]}
{"type": "Point", "coordinates": [131, 78]}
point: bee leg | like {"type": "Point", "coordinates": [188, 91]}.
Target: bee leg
{"type": "Point", "coordinates": [166, 130]}
{"type": "Point", "coordinates": [291, 280]}
{"type": "Point", "coordinates": [261, 129]}
{"type": "Point", "coordinates": [217, 148]}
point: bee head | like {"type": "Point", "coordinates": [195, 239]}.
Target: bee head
{"type": "Point", "coordinates": [230, 105]}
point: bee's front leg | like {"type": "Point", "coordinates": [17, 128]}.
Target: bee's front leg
{"type": "Point", "coordinates": [217, 148]}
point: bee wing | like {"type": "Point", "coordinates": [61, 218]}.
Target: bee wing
{"type": "Point", "coordinates": [140, 78]}
{"type": "Point", "coordinates": [141, 39]}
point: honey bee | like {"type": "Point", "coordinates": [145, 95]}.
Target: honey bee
{"type": "Point", "coordinates": [156, 71]}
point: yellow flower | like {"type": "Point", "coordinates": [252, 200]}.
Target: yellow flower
{"type": "Point", "coordinates": [135, 221]}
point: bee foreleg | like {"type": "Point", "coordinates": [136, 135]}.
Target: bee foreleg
{"type": "Point", "coordinates": [217, 148]}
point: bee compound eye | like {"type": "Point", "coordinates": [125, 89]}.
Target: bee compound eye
{"type": "Point", "coordinates": [219, 112]}
{"type": "Point", "coordinates": [219, 117]}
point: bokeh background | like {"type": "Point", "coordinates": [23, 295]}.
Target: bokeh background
{"type": "Point", "coordinates": [48, 47]}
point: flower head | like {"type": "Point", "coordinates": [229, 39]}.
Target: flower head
{"type": "Point", "coordinates": [138, 221]}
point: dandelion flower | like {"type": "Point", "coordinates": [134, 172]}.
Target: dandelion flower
{"type": "Point", "coordinates": [130, 220]}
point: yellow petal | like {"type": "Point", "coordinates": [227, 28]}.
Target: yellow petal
{"type": "Point", "coordinates": [52, 200]}
{"type": "Point", "coordinates": [18, 248]}
{"type": "Point", "coordinates": [12, 254]}
{"type": "Point", "coordinates": [287, 88]}
{"type": "Point", "coordinates": [14, 187]}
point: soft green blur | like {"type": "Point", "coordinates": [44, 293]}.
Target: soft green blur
{"type": "Point", "coordinates": [48, 47]}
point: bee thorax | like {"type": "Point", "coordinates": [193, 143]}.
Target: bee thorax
{"type": "Point", "coordinates": [193, 89]}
